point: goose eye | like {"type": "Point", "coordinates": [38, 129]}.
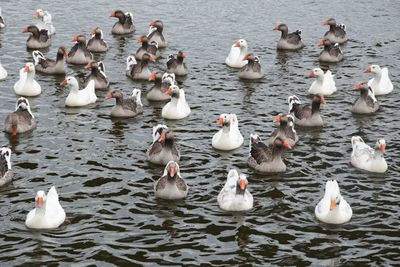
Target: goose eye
{"type": "Point", "coordinates": [7, 154]}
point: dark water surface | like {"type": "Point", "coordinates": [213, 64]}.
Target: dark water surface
{"type": "Point", "coordinates": [105, 183]}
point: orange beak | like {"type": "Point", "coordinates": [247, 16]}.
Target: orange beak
{"type": "Point", "coordinates": [25, 29]}
{"type": "Point", "coordinates": [326, 22]}
{"type": "Point", "coordinates": [286, 144]}
{"type": "Point", "coordinates": [93, 31]}
{"type": "Point", "coordinates": [153, 23]}
{"type": "Point", "coordinates": [88, 66]}
{"type": "Point", "coordinates": [139, 39]}
{"type": "Point", "coordinates": [311, 74]}
{"type": "Point", "coordinates": [64, 83]}
{"type": "Point", "coordinates": [184, 54]}
{"type": "Point", "coordinates": [322, 101]}
{"type": "Point", "coordinates": [237, 44]}
{"type": "Point", "coordinates": [220, 121]}
{"type": "Point", "coordinates": [108, 96]}
{"type": "Point", "coordinates": [112, 14]}
{"type": "Point", "coordinates": [276, 28]}
{"type": "Point", "coordinates": [37, 14]}
{"type": "Point", "coordinates": [14, 130]}
{"type": "Point", "coordinates": [321, 43]}
{"type": "Point", "coordinates": [152, 77]}
{"type": "Point", "coordinates": [357, 87]}
{"type": "Point", "coordinates": [152, 58]}
{"type": "Point", "coordinates": [169, 91]}
{"type": "Point", "coordinates": [246, 57]}
{"type": "Point", "coordinates": [39, 202]}
{"type": "Point", "coordinates": [172, 171]}
{"type": "Point", "coordinates": [26, 69]}
{"type": "Point", "coordinates": [277, 119]}
{"type": "Point", "coordinates": [162, 137]}
{"type": "Point", "coordinates": [75, 39]}
{"type": "Point", "coordinates": [382, 148]}
{"type": "Point", "coordinates": [242, 184]}
{"type": "Point", "coordinates": [369, 70]}
{"type": "Point", "coordinates": [333, 204]}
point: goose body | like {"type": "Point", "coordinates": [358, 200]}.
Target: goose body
{"type": "Point", "coordinates": [79, 53]}
{"type": "Point", "coordinates": [171, 185]}
{"type": "Point", "coordinates": [48, 213]}
{"type": "Point", "coordinates": [96, 42]}
{"type": "Point", "coordinates": [139, 70]}
{"type": "Point", "coordinates": [3, 72]}
{"type": "Point", "coordinates": [50, 66]}
{"type": "Point", "coordinates": [126, 108]}
{"type": "Point", "coordinates": [331, 53]}
{"type": "Point", "coordinates": [124, 25]}
{"type": "Point", "coordinates": [366, 103]}
{"type": "Point", "coordinates": [176, 65]}
{"type": "Point", "coordinates": [304, 114]}
{"type": "Point", "coordinates": [177, 108]}
{"type": "Point", "coordinates": [97, 74]}
{"type": "Point", "coordinates": [27, 85]}
{"type": "Point", "coordinates": [163, 149]}
{"type": "Point", "coordinates": [324, 83]}
{"type": "Point", "coordinates": [285, 130]}
{"type": "Point", "coordinates": [229, 137]}
{"type": "Point", "coordinates": [252, 70]}
{"type": "Point", "coordinates": [146, 47]}
{"type": "Point", "coordinates": [336, 33]}
{"type": "Point", "coordinates": [380, 83]}
{"type": "Point", "coordinates": [333, 208]}
{"type": "Point", "coordinates": [79, 98]}
{"type": "Point", "coordinates": [156, 33]}
{"type": "Point", "coordinates": [265, 159]}
{"type": "Point", "coordinates": [366, 158]}
{"type": "Point", "coordinates": [6, 174]}
{"type": "Point", "coordinates": [161, 84]}
{"type": "Point", "coordinates": [38, 39]}
{"type": "Point", "coordinates": [235, 196]}
{"type": "Point", "coordinates": [289, 41]}
{"type": "Point", "coordinates": [237, 53]}
{"type": "Point", "coordinates": [21, 120]}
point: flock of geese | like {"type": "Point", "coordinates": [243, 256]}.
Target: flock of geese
{"type": "Point", "coordinates": [263, 157]}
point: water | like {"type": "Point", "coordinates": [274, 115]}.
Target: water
{"type": "Point", "coordinates": [105, 183]}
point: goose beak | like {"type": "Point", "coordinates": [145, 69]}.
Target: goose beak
{"type": "Point", "coordinates": [139, 39]}
{"type": "Point", "coordinates": [220, 121]}
{"type": "Point", "coordinates": [242, 184]}
{"type": "Point", "coordinates": [357, 87]}
{"type": "Point", "coordinates": [286, 144]}
{"type": "Point", "coordinates": [64, 83]}
{"type": "Point", "coordinates": [88, 66]}
{"type": "Point", "coordinates": [172, 171]}
{"type": "Point", "coordinates": [152, 24]}
{"type": "Point", "coordinates": [246, 57]}
{"type": "Point", "coordinates": [326, 22]}
{"type": "Point", "coordinates": [311, 74]}
{"type": "Point", "coordinates": [14, 130]}
{"type": "Point", "coordinates": [169, 91]}
{"type": "Point", "coordinates": [322, 101]}
{"type": "Point", "coordinates": [276, 28]}
{"type": "Point", "coordinates": [25, 29]}
{"type": "Point", "coordinates": [39, 202]}
{"type": "Point", "coordinates": [112, 14]}
{"type": "Point", "coordinates": [277, 119]}
{"type": "Point", "coordinates": [162, 137]}
{"type": "Point", "coordinates": [26, 69]}
{"type": "Point", "coordinates": [152, 77]}
{"type": "Point", "coordinates": [108, 96]}
{"type": "Point", "coordinates": [368, 70]}
{"type": "Point", "coordinates": [237, 44]}
{"type": "Point", "coordinates": [75, 39]}
{"type": "Point", "coordinates": [382, 148]}
{"type": "Point", "coordinates": [332, 205]}
{"type": "Point", "coordinates": [321, 43]}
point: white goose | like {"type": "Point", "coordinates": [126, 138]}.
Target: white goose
{"type": "Point", "coordinates": [48, 213]}
{"type": "Point", "coordinates": [27, 85]}
{"type": "Point", "coordinates": [79, 98]}
{"type": "Point", "coordinates": [229, 137]}
{"type": "Point", "coordinates": [234, 196]}
{"type": "Point", "coordinates": [3, 72]}
{"type": "Point", "coordinates": [6, 174]}
{"type": "Point", "coordinates": [177, 108]}
{"type": "Point", "coordinates": [366, 158]}
{"type": "Point", "coordinates": [333, 208]}
{"type": "Point", "coordinates": [324, 83]}
{"type": "Point", "coordinates": [236, 55]}
{"type": "Point", "coordinates": [380, 84]}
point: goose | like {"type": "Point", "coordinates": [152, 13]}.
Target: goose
{"type": "Point", "coordinates": [324, 83]}
{"type": "Point", "coordinates": [171, 185]}
{"type": "Point", "coordinates": [98, 74]}
{"type": "Point", "coordinates": [336, 33]}
{"type": "Point", "coordinates": [3, 72]}
{"type": "Point", "coordinates": [265, 159]}
{"type": "Point", "coordinates": [6, 174]}
{"type": "Point", "coordinates": [161, 85]}
{"type": "Point", "coordinates": [139, 70]}
{"type": "Point", "coordinates": [235, 196]}
{"type": "Point", "coordinates": [236, 55]}
{"type": "Point", "coordinates": [79, 53]}
{"type": "Point", "coordinates": [285, 130]}
{"type": "Point", "coordinates": [38, 39]}
{"type": "Point", "coordinates": [366, 158]}
{"type": "Point", "coordinates": [126, 108]}
{"type": "Point", "coordinates": [27, 85]}
{"type": "Point", "coordinates": [48, 213]}
{"type": "Point", "coordinates": [163, 149]}
{"type": "Point", "coordinates": [229, 137]}
{"type": "Point", "coordinates": [147, 47]}
{"type": "Point", "coordinates": [367, 102]}
{"type": "Point", "coordinates": [156, 33]}
{"type": "Point", "coordinates": [331, 53]}
{"type": "Point", "coordinates": [44, 21]}
{"type": "Point", "coordinates": [252, 70]}
{"type": "Point", "coordinates": [289, 41]}
{"type": "Point", "coordinates": [76, 97]}
{"type": "Point", "coordinates": [2, 21]}
{"type": "Point", "coordinates": [380, 84]}
{"type": "Point", "coordinates": [21, 120]}
{"type": "Point", "coordinates": [176, 65]}
{"type": "Point", "coordinates": [50, 66]}
{"type": "Point", "coordinates": [333, 208]}
{"type": "Point", "coordinates": [304, 114]}
{"type": "Point", "coordinates": [96, 42]}
{"type": "Point", "coordinates": [177, 108]}
{"type": "Point", "coordinates": [124, 25]}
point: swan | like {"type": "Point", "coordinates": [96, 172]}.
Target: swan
{"type": "Point", "coordinates": [48, 213]}
{"type": "Point", "coordinates": [333, 208]}
{"type": "Point", "coordinates": [235, 196]}
{"type": "Point", "coordinates": [229, 137]}
{"type": "Point", "coordinates": [366, 158]}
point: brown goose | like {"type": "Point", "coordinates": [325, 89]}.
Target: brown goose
{"type": "Point", "coordinates": [331, 53]}
{"type": "Point", "coordinates": [367, 102]}
{"type": "Point", "coordinates": [288, 41]}
{"type": "Point", "coordinates": [171, 185]}
{"type": "Point", "coordinates": [126, 108]}
{"type": "Point", "coordinates": [96, 43]}
{"type": "Point", "coordinates": [21, 120]}
{"type": "Point", "coordinates": [50, 66]}
{"type": "Point", "coordinates": [98, 74]}
{"type": "Point", "coordinates": [285, 130]}
{"type": "Point", "coordinates": [163, 149]}
{"type": "Point", "coordinates": [124, 25]}
{"type": "Point", "coordinates": [79, 54]}
{"type": "Point", "coordinates": [139, 70]}
{"type": "Point", "coordinates": [176, 65]}
{"type": "Point", "coordinates": [252, 70]}
{"type": "Point", "coordinates": [336, 33]}
{"type": "Point", "coordinates": [39, 38]}
{"type": "Point", "coordinates": [304, 114]}
{"type": "Point", "coordinates": [155, 33]}
{"type": "Point", "coordinates": [147, 47]}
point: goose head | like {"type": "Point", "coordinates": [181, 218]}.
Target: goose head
{"type": "Point", "coordinates": [380, 146]}
{"type": "Point", "coordinates": [29, 68]}
{"type": "Point", "coordinates": [118, 14]}
{"type": "Point", "coordinates": [168, 78]}
{"type": "Point", "coordinates": [249, 57]}
{"type": "Point", "coordinates": [97, 32]}
{"type": "Point", "coordinates": [39, 13]}
{"type": "Point", "coordinates": [157, 24]}
{"type": "Point", "coordinates": [5, 153]}
{"type": "Point", "coordinates": [147, 57]}
{"type": "Point", "coordinates": [325, 43]}
{"type": "Point", "coordinates": [173, 91]}
{"type": "Point", "coordinates": [80, 38]}
{"type": "Point", "coordinates": [373, 69]}
{"type": "Point", "coordinates": [241, 184]}
{"type": "Point", "coordinates": [224, 120]}
{"type": "Point", "coordinates": [155, 76]}
{"type": "Point", "coordinates": [158, 130]}
{"type": "Point", "coordinates": [316, 73]}
{"type": "Point", "coordinates": [172, 170]}
{"type": "Point", "coordinates": [241, 43]}
{"type": "Point", "coordinates": [32, 29]}
{"type": "Point", "coordinates": [281, 27]}
{"type": "Point", "coordinates": [116, 93]}
{"type": "Point", "coordinates": [332, 193]}
{"type": "Point", "coordinates": [70, 81]}
{"type": "Point", "coordinates": [142, 39]}
{"type": "Point", "coordinates": [330, 22]}
{"type": "Point", "coordinates": [62, 51]}
{"type": "Point", "coordinates": [166, 134]}
{"type": "Point", "coordinates": [319, 99]}
{"type": "Point", "coordinates": [181, 55]}
{"type": "Point", "coordinates": [362, 86]}
{"type": "Point", "coordinates": [40, 200]}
